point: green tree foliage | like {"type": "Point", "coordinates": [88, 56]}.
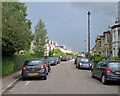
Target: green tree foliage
{"type": "Point", "coordinates": [40, 39]}
{"type": "Point", "coordinates": [16, 33]}
{"type": "Point", "coordinates": [56, 53]}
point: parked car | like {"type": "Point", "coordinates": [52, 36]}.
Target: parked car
{"type": "Point", "coordinates": [83, 63]}
{"type": "Point", "coordinates": [64, 59]}
{"type": "Point", "coordinates": [34, 68]}
{"type": "Point", "coordinates": [106, 70]}
{"type": "Point", "coordinates": [75, 62]}
{"type": "Point", "coordinates": [52, 61]}
{"type": "Point", "coordinates": [68, 58]}
{"type": "Point", "coordinates": [57, 59]}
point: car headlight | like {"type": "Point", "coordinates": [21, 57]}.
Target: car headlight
{"type": "Point", "coordinates": [80, 63]}
{"type": "Point", "coordinates": [90, 64]}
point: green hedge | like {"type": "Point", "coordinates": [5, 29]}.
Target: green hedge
{"type": "Point", "coordinates": [14, 63]}
{"type": "Point", "coordinates": [7, 65]}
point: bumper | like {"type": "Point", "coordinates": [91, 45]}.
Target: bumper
{"type": "Point", "coordinates": [113, 78]}
{"type": "Point", "coordinates": [85, 67]}
{"type": "Point", "coordinates": [26, 74]}
{"type": "Point", "coordinates": [53, 64]}
{"type": "Point", "coordinates": [63, 59]}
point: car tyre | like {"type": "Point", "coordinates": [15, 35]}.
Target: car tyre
{"type": "Point", "coordinates": [23, 78]}
{"type": "Point", "coordinates": [103, 79]}
{"type": "Point", "coordinates": [76, 66]}
{"type": "Point", "coordinates": [45, 77]}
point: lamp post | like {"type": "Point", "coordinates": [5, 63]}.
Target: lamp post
{"type": "Point", "coordinates": [89, 35]}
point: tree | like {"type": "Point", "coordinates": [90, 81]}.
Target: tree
{"type": "Point", "coordinates": [40, 38]}
{"type": "Point", "coordinates": [16, 33]}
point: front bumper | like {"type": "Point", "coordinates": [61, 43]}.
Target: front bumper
{"type": "Point", "coordinates": [85, 67]}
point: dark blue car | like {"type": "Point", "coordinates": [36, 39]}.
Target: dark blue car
{"type": "Point", "coordinates": [83, 63]}
{"type": "Point", "coordinates": [106, 70]}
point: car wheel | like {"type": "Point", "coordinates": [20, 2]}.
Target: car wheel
{"type": "Point", "coordinates": [23, 78]}
{"type": "Point", "coordinates": [92, 74]}
{"type": "Point", "coordinates": [76, 66]}
{"type": "Point", "coordinates": [104, 81]}
{"type": "Point", "coordinates": [45, 77]}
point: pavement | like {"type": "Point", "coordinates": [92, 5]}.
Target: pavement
{"type": "Point", "coordinates": [10, 80]}
{"type": "Point", "coordinates": [64, 78]}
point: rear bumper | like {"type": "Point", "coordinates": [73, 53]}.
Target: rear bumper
{"type": "Point", "coordinates": [25, 74]}
{"type": "Point", "coordinates": [113, 78]}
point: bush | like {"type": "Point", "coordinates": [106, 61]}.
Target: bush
{"type": "Point", "coordinates": [18, 62]}
{"type": "Point", "coordinates": [7, 65]}
{"type": "Point", "coordinates": [115, 58]}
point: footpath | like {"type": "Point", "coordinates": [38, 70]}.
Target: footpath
{"type": "Point", "coordinates": [9, 81]}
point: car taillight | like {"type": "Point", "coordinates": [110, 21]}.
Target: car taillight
{"type": "Point", "coordinates": [108, 70]}
{"type": "Point", "coordinates": [23, 68]}
{"type": "Point", "coordinates": [42, 67]}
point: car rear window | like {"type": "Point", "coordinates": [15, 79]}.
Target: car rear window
{"type": "Point", "coordinates": [115, 65]}
{"type": "Point", "coordinates": [34, 62]}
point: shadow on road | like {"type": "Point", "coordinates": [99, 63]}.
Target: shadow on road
{"type": "Point", "coordinates": [110, 83]}
{"type": "Point", "coordinates": [33, 79]}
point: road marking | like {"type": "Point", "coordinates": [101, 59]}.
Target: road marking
{"type": "Point", "coordinates": [27, 83]}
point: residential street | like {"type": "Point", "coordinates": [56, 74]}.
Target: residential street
{"type": "Point", "coordinates": [64, 78]}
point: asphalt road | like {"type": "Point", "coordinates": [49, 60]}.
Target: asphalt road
{"type": "Point", "coordinates": [64, 78]}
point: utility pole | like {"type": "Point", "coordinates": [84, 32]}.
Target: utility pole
{"type": "Point", "coordinates": [89, 35]}
{"type": "Point", "coordinates": [85, 46]}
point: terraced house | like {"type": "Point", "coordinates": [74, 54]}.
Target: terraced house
{"type": "Point", "coordinates": [108, 44]}
{"type": "Point", "coordinates": [115, 31]}
{"type": "Point", "coordinates": [98, 45]}
{"type": "Point", "coordinates": [102, 45]}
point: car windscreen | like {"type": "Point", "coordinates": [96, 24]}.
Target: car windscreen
{"type": "Point", "coordinates": [50, 59]}
{"type": "Point", "coordinates": [84, 60]}
{"type": "Point", "coordinates": [34, 63]}
{"type": "Point", "coordinates": [115, 65]}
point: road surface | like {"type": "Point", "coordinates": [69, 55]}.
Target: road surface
{"type": "Point", "coordinates": [64, 78]}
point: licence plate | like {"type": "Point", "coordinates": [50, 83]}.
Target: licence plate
{"type": "Point", "coordinates": [117, 72]}
{"type": "Point", "coordinates": [33, 73]}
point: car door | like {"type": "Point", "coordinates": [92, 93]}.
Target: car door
{"type": "Point", "coordinates": [97, 69]}
{"type": "Point", "coordinates": [102, 68]}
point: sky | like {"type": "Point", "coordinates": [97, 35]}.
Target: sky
{"type": "Point", "coordinates": [67, 22]}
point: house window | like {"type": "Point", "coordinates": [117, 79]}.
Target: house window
{"type": "Point", "coordinates": [107, 39]}
{"type": "Point", "coordinates": [103, 53]}
{"type": "Point", "coordinates": [118, 34]}
{"type": "Point", "coordinates": [107, 53]}
{"type": "Point", "coordinates": [102, 42]}
{"type": "Point", "coordinates": [114, 36]}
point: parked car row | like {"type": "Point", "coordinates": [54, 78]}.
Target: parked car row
{"type": "Point", "coordinates": [105, 70]}
{"type": "Point", "coordinates": [66, 58]}
{"type": "Point", "coordinates": [38, 67]}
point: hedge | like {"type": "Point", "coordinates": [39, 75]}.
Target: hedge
{"type": "Point", "coordinates": [14, 63]}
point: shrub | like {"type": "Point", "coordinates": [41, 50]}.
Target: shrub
{"type": "Point", "coordinates": [115, 58]}
{"type": "Point", "coordinates": [7, 65]}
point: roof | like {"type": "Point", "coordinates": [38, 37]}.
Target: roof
{"type": "Point", "coordinates": [106, 32]}
{"type": "Point", "coordinates": [115, 26]}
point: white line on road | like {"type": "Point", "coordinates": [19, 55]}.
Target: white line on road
{"type": "Point", "coordinates": [27, 83]}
